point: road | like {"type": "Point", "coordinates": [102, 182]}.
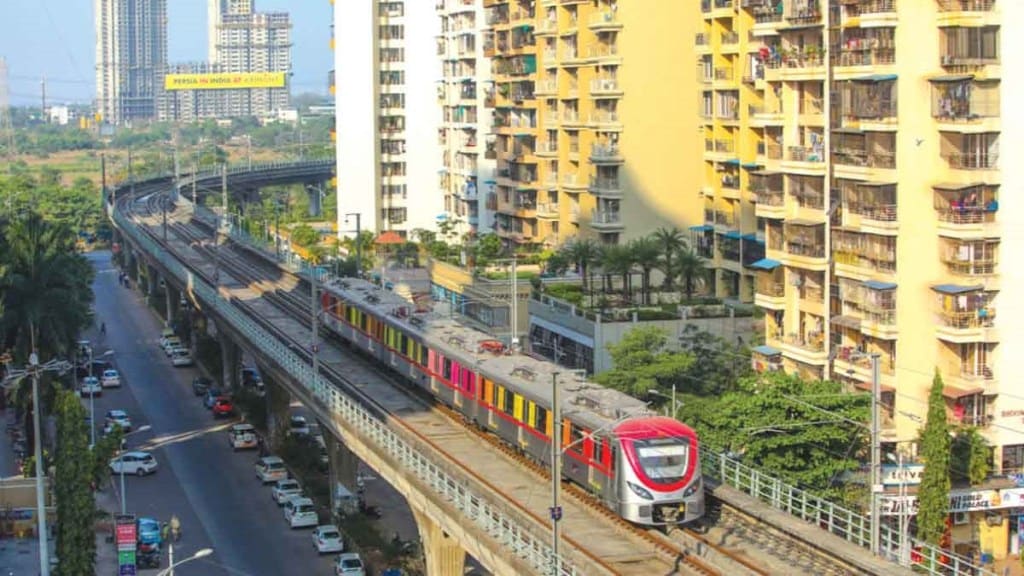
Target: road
{"type": "Point", "coordinates": [212, 489]}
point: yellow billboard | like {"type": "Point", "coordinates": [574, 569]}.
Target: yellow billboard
{"type": "Point", "coordinates": [224, 81]}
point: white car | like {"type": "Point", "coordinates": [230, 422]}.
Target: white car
{"type": "Point", "coordinates": [298, 426]}
{"type": "Point", "coordinates": [271, 469]}
{"type": "Point", "coordinates": [349, 564]}
{"type": "Point", "coordinates": [111, 379]}
{"type": "Point", "coordinates": [164, 335]}
{"type": "Point", "coordinates": [300, 512]}
{"type": "Point", "coordinates": [91, 387]}
{"type": "Point", "coordinates": [285, 489]}
{"type": "Point", "coordinates": [170, 344]}
{"type": "Point", "coordinates": [327, 540]}
{"type": "Point", "coordinates": [242, 436]}
{"type": "Point", "coordinates": [140, 463]}
{"type": "Point", "coordinates": [117, 418]}
{"type": "Point", "coordinates": [181, 357]}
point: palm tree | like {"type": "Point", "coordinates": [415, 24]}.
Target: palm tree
{"type": "Point", "coordinates": [617, 259]}
{"type": "Point", "coordinates": [671, 241]}
{"type": "Point", "coordinates": [583, 253]}
{"type": "Point", "coordinates": [691, 269]}
{"type": "Point", "coordinates": [646, 254]}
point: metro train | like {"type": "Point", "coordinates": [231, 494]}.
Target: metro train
{"type": "Point", "coordinates": [644, 467]}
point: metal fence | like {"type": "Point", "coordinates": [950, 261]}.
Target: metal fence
{"type": "Point", "coordinates": [488, 517]}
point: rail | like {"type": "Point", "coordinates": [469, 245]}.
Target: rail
{"type": "Point", "coordinates": [505, 529]}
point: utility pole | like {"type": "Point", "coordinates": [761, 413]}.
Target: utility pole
{"type": "Point", "coordinates": [103, 177]}
{"type": "Point", "coordinates": [514, 321]}
{"type": "Point", "coordinates": [37, 441]}
{"type": "Point", "coordinates": [556, 473]}
{"type": "Point", "coordinates": [359, 243]}
{"type": "Point", "coordinates": [876, 455]}
{"type": "Point", "coordinates": [46, 118]}
{"type": "Point", "coordinates": [248, 145]}
{"type": "Point", "coordinates": [131, 174]}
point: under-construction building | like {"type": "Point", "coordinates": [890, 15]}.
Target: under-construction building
{"type": "Point", "coordinates": [131, 54]}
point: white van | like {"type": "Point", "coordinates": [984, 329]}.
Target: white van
{"type": "Point", "coordinates": [270, 469]}
{"type": "Point", "coordinates": [242, 436]}
{"type": "Point", "coordinates": [300, 512]}
{"type": "Point", "coordinates": [345, 502]}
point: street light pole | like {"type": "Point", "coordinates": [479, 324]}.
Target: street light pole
{"type": "Point", "coordinates": [169, 571]}
{"type": "Point", "coordinates": [92, 406]}
{"type": "Point", "coordinates": [514, 321]}
{"type": "Point", "coordinates": [123, 496]}
{"type": "Point", "coordinates": [44, 548]}
{"type": "Point", "coordinates": [876, 454]}
{"type": "Point", "coordinates": [556, 472]}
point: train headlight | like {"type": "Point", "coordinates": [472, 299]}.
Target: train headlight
{"type": "Point", "coordinates": [693, 488]}
{"type": "Point", "coordinates": [640, 491]}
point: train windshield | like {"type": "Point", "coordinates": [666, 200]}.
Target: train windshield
{"type": "Point", "coordinates": [663, 460]}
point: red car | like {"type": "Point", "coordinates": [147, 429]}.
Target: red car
{"type": "Point", "coordinates": [223, 407]}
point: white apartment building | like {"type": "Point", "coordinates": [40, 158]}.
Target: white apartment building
{"type": "Point", "coordinates": [466, 105]}
{"type": "Point", "coordinates": [131, 53]}
{"type": "Point", "coordinates": [387, 73]}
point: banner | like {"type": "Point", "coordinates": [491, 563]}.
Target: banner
{"type": "Point", "coordinates": [225, 81]}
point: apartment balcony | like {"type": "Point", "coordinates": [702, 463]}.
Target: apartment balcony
{"type": "Point", "coordinates": [724, 77]}
{"type": "Point", "coordinates": [761, 116]}
{"type": "Point", "coordinates": [547, 211]}
{"type": "Point", "coordinates": [770, 287]}
{"type": "Point", "coordinates": [547, 149]}
{"type": "Point", "coordinates": [702, 43]}
{"type": "Point", "coordinates": [969, 376]}
{"type": "Point", "coordinates": [966, 211]}
{"type": "Point", "coordinates": [962, 104]}
{"type": "Point", "coordinates": [547, 87]}
{"type": "Point", "coordinates": [803, 13]}
{"type": "Point", "coordinates": [796, 65]}
{"type": "Point", "coordinates": [573, 183]}
{"type": "Point", "coordinates": [604, 54]}
{"type": "Point", "coordinates": [973, 160]}
{"type": "Point", "coordinates": [962, 326]}
{"type": "Point", "coordinates": [550, 56]}
{"type": "Point", "coordinates": [804, 244]}
{"type": "Point", "coordinates": [605, 154]}
{"type": "Point", "coordinates": [546, 27]}
{"type": "Point", "coordinates": [605, 187]}
{"type": "Point", "coordinates": [572, 119]}
{"type": "Point", "coordinates": [970, 259]}
{"type": "Point", "coordinates": [605, 88]}
{"type": "Point", "coordinates": [767, 20]}
{"type": "Point", "coordinates": [724, 220]}
{"type": "Point", "coordinates": [967, 13]}
{"type": "Point", "coordinates": [876, 13]}
{"type": "Point", "coordinates": [807, 348]}
{"type": "Point", "coordinates": [574, 215]}
{"type": "Point", "coordinates": [606, 220]}
{"type": "Point", "coordinates": [807, 160]}
{"type": "Point", "coordinates": [722, 8]}
{"type": "Point", "coordinates": [770, 202]}
{"type": "Point", "coordinates": [604, 21]}
{"type": "Point", "coordinates": [851, 62]}
{"type": "Point", "coordinates": [605, 120]}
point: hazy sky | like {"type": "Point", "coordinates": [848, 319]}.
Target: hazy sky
{"type": "Point", "coordinates": [55, 38]}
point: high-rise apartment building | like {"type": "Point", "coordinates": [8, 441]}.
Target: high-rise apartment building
{"type": "Point", "coordinates": [466, 105]}
{"type": "Point", "coordinates": [131, 53]}
{"type": "Point", "coordinates": [591, 136]}
{"type": "Point", "coordinates": [247, 42]}
{"type": "Point", "coordinates": [216, 9]}
{"type": "Point", "coordinates": [387, 75]}
{"type": "Point", "coordinates": [864, 142]}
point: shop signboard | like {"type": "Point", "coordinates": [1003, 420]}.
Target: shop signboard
{"type": "Point", "coordinates": [907, 475]}
{"type": "Point", "coordinates": [959, 501]}
{"type": "Point", "coordinates": [125, 537]}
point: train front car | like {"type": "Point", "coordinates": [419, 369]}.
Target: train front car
{"type": "Point", "coordinates": [659, 481]}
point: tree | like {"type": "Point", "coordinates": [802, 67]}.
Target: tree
{"type": "Point", "coordinates": [933, 494]}
{"type": "Point", "coordinates": [583, 253]}
{"type": "Point", "coordinates": [691, 269]}
{"type": "Point", "coordinates": [76, 540]}
{"type": "Point", "coordinates": [105, 448]}
{"type": "Point", "coordinates": [970, 456]}
{"type": "Point", "coordinates": [671, 241]}
{"type": "Point", "coordinates": [645, 253]}
{"type": "Point", "coordinates": [304, 235]}
{"type": "Point", "coordinates": [717, 363]}
{"type": "Point", "coordinates": [798, 431]}
{"type": "Point", "coordinates": [617, 260]}
{"type": "Point", "coordinates": [487, 248]}
{"type": "Point", "coordinates": [642, 362]}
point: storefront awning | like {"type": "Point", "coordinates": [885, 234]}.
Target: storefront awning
{"type": "Point", "coordinates": [732, 162]}
{"type": "Point", "coordinates": [702, 228]}
{"type": "Point", "coordinates": [954, 393]}
{"type": "Point", "coordinates": [751, 166]}
{"type": "Point", "coordinates": [956, 288]}
{"type": "Point", "coordinates": [765, 350]}
{"type": "Point", "coordinates": [877, 285]}
{"type": "Point", "coordinates": [766, 264]}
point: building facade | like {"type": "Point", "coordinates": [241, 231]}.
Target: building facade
{"type": "Point", "coordinates": [466, 99]}
{"type": "Point", "coordinates": [249, 41]}
{"type": "Point", "coordinates": [387, 75]}
{"type": "Point", "coordinates": [131, 53]}
{"type": "Point", "coordinates": [589, 133]}
{"type": "Point", "coordinates": [864, 141]}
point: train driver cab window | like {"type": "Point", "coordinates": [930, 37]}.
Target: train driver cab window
{"type": "Point", "coordinates": [576, 439]}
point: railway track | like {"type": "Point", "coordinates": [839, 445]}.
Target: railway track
{"type": "Point", "coordinates": [735, 544]}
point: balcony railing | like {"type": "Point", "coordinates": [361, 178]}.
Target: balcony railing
{"type": "Point", "coordinates": [882, 316]}
{"type": "Point", "coordinates": [766, 197]}
{"type": "Point", "coordinates": [730, 38]}
{"type": "Point", "coordinates": [865, 57]}
{"type": "Point", "coordinates": [725, 218]}
{"type": "Point", "coordinates": [966, 5]}
{"type": "Point", "coordinates": [604, 150]}
{"type": "Point", "coordinates": [973, 319]}
{"type": "Point", "coordinates": [604, 117]}
{"type": "Point", "coordinates": [859, 157]}
{"type": "Point", "coordinates": [810, 342]}
{"type": "Point", "coordinates": [724, 73]}
{"type": "Point", "coordinates": [770, 288]}
{"type": "Point", "coordinates": [879, 212]}
{"type": "Point", "coordinates": [804, 154]}
{"type": "Point", "coordinates": [876, 6]}
{"type": "Point", "coordinates": [606, 217]}
{"type": "Point", "coordinates": [972, 160]}
{"type": "Point", "coordinates": [965, 216]}
{"type": "Point", "coordinates": [806, 250]}
{"type": "Point", "coordinates": [701, 39]}
{"type": "Point", "coordinates": [604, 85]}
{"type": "Point", "coordinates": [599, 183]}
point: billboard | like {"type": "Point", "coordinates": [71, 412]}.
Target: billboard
{"type": "Point", "coordinates": [224, 81]}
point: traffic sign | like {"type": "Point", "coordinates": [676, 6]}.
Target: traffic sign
{"type": "Point", "coordinates": [556, 513]}
{"type": "Point", "coordinates": [126, 557]}
{"type": "Point", "coordinates": [126, 570]}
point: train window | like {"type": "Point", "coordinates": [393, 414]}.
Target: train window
{"type": "Point", "coordinates": [541, 421]}
{"type": "Point", "coordinates": [487, 392]}
{"type": "Point", "coordinates": [599, 450]}
{"type": "Point", "coordinates": [576, 438]}
{"type": "Point", "coordinates": [363, 322]}
{"type": "Point", "coordinates": [499, 397]}
{"type": "Point", "coordinates": [507, 407]}
{"type": "Point", "coordinates": [446, 371]}
{"type": "Point", "coordinates": [424, 353]}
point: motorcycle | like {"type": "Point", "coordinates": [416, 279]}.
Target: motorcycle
{"type": "Point", "coordinates": [150, 559]}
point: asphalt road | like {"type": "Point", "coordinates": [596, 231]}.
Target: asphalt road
{"type": "Point", "coordinates": [212, 490]}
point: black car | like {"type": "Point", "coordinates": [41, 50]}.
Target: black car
{"type": "Point", "coordinates": [201, 385]}
{"type": "Point", "coordinates": [211, 396]}
{"type": "Point", "coordinates": [98, 367]}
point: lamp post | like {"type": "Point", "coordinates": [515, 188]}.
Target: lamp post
{"type": "Point", "coordinates": [13, 376]}
{"type": "Point", "coordinates": [171, 565]}
{"type": "Point", "coordinates": [123, 499]}
{"type": "Point", "coordinates": [359, 243]}
{"type": "Point", "coordinates": [92, 400]}
{"type": "Point", "coordinates": [556, 472]}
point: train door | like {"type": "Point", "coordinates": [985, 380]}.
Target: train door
{"type": "Point", "coordinates": [517, 413]}
{"type": "Point", "coordinates": [491, 396]}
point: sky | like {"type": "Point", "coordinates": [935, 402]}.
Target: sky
{"type": "Point", "coordinates": [56, 38]}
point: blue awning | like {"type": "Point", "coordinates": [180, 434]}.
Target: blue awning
{"type": "Point", "coordinates": [733, 162]}
{"type": "Point", "coordinates": [491, 182]}
{"type": "Point", "coordinates": [876, 285]}
{"type": "Point", "coordinates": [876, 78]}
{"type": "Point", "coordinates": [751, 165]}
{"type": "Point", "coordinates": [766, 350]}
{"type": "Point", "coordinates": [733, 235]}
{"type": "Point", "coordinates": [766, 264]}
{"type": "Point", "coordinates": [702, 228]}
{"type": "Point", "coordinates": [956, 288]}
{"type": "Point", "coordinates": [750, 237]}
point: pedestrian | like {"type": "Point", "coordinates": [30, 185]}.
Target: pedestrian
{"type": "Point", "coordinates": [165, 531]}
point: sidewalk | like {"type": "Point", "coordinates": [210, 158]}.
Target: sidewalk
{"type": "Point", "coordinates": [106, 553]}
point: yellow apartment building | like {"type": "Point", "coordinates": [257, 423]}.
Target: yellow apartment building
{"type": "Point", "coordinates": [592, 131]}
{"type": "Point", "coordinates": [863, 141]}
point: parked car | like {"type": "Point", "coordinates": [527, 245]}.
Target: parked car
{"type": "Point", "coordinates": [85, 370]}
{"type": "Point", "coordinates": [170, 344]}
{"type": "Point", "coordinates": [298, 426]}
{"type": "Point", "coordinates": [271, 469]}
{"type": "Point", "coordinates": [140, 463]}
{"type": "Point", "coordinates": [181, 357]}
{"type": "Point", "coordinates": [211, 396]}
{"type": "Point", "coordinates": [285, 489]}
{"type": "Point", "coordinates": [165, 334]}
{"type": "Point", "coordinates": [223, 407]}
{"type": "Point", "coordinates": [349, 564]}
{"type": "Point", "coordinates": [300, 512]}
{"type": "Point", "coordinates": [111, 379]}
{"type": "Point", "coordinates": [327, 540]}
{"type": "Point", "coordinates": [242, 436]}
{"type": "Point", "coordinates": [200, 385]}
{"type": "Point", "coordinates": [149, 538]}
{"type": "Point", "coordinates": [91, 387]}
{"type": "Point", "coordinates": [117, 418]}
